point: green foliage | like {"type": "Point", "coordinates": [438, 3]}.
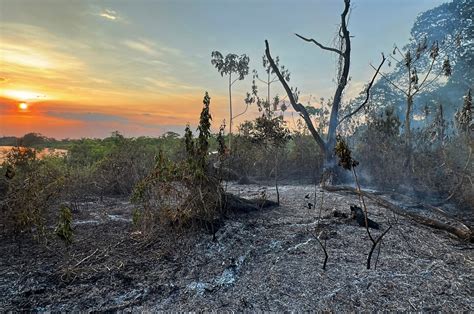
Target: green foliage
{"type": "Point", "coordinates": [86, 152]}
{"type": "Point", "coordinates": [221, 147]}
{"type": "Point", "coordinates": [189, 142]}
{"type": "Point", "coordinates": [64, 226]}
{"type": "Point", "coordinates": [231, 63]}
{"type": "Point", "coordinates": [268, 103]}
{"type": "Point", "coordinates": [204, 129]}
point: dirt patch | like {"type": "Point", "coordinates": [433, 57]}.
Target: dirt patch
{"type": "Point", "coordinates": [264, 260]}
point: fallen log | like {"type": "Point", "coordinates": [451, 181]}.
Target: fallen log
{"type": "Point", "coordinates": [463, 232]}
{"type": "Point", "coordinates": [237, 204]}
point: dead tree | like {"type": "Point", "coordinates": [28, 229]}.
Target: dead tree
{"type": "Point", "coordinates": [344, 52]}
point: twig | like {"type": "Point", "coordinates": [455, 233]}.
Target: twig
{"type": "Point", "coordinates": [374, 245]}
{"type": "Point", "coordinates": [85, 258]}
{"type": "Point", "coordinates": [367, 92]}
{"type": "Point", "coordinates": [339, 52]}
{"type": "Point", "coordinates": [378, 255]}
{"type": "Point", "coordinates": [390, 81]}
{"type": "Point", "coordinates": [323, 246]}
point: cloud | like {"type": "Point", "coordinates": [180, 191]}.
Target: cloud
{"type": "Point", "coordinates": [109, 14]}
{"type": "Point", "coordinates": [171, 50]}
{"type": "Point", "coordinates": [141, 46]}
{"type": "Point", "coordinates": [49, 52]}
{"type": "Point", "coordinates": [169, 84]}
{"type": "Point", "coordinates": [88, 116]}
{"type": "Point", "coordinates": [152, 48]}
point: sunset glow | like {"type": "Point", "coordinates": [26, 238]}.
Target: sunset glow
{"type": "Point", "coordinates": [108, 66]}
{"type": "Point", "coordinates": [23, 106]}
{"type": "Point", "coordinates": [23, 95]}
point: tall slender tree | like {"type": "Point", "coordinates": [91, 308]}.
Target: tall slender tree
{"type": "Point", "coordinates": [230, 65]}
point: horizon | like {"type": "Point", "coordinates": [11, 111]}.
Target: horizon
{"type": "Point", "coordinates": [86, 69]}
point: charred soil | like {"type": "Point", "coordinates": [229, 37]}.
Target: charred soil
{"type": "Point", "coordinates": [261, 260]}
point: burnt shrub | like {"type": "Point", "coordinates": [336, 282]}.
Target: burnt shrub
{"type": "Point", "coordinates": [31, 192]}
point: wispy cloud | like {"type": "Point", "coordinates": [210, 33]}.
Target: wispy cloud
{"type": "Point", "coordinates": [152, 48]}
{"type": "Point", "coordinates": [169, 84]}
{"type": "Point", "coordinates": [109, 14]}
{"type": "Point", "coordinates": [145, 46]}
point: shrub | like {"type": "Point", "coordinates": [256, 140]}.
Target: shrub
{"type": "Point", "coordinates": [64, 226]}
{"type": "Point", "coordinates": [181, 193]}
{"type": "Point", "coordinates": [30, 194]}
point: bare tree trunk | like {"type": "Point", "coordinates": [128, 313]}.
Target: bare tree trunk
{"type": "Point", "coordinates": [276, 179]}
{"type": "Point", "coordinates": [346, 56]}
{"type": "Point", "coordinates": [230, 110]}
{"type": "Point", "coordinates": [327, 148]}
{"type": "Point", "coordinates": [408, 145]}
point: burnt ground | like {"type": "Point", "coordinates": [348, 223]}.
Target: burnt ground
{"type": "Point", "coordinates": [266, 260]}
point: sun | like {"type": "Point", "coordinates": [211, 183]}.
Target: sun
{"type": "Point", "coordinates": [23, 106]}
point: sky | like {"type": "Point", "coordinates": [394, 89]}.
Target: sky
{"type": "Point", "coordinates": [80, 68]}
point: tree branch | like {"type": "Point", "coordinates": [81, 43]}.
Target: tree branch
{"type": "Point", "coordinates": [247, 107]}
{"type": "Point", "coordinates": [297, 106]}
{"type": "Point", "coordinates": [261, 80]}
{"type": "Point", "coordinates": [319, 45]}
{"type": "Point", "coordinates": [367, 92]}
{"type": "Point", "coordinates": [390, 81]}
{"type": "Point", "coordinates": [426, 77]}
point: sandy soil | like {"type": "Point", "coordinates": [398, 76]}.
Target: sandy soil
{"type": "Point", "coordinates": [267, 260]}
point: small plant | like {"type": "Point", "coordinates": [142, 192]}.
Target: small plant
{"type": "Point", "coordinates": [64, 227]}
{"type": "Point", "coordinates": [346, 161]}
{"type": "Point", "coordinates": [323, 246]}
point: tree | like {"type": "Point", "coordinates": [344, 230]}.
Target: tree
{"type": "Point", "coordinates": [231, 64]}
{"type": "Point", "coordinates": [271, 77]}
{"type": "Point", "coordinates": [344, 52]}
{"type": "Point", "coordinates": [414, 61]}
{"type": "Point", "coordinates": [270, 132]}
{"type": "Point", "coordinates": [33, 140]}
